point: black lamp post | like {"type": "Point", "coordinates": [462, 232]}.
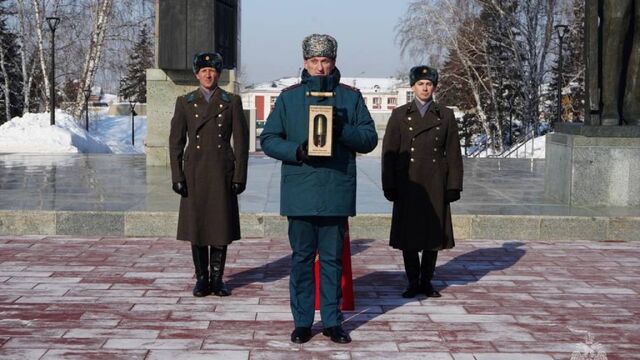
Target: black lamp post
{"type": "Point", "coordinates": [53, 24]}
{"type": "Point", "coordinates": [562, 30]}
{"type": "Point", "coordinates": [87, 95]}
{"type": "Point", "coordinates": [132, 104]}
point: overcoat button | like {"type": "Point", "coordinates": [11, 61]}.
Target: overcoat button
{"type": "Point", "coordinates": [219, 125]}
{"type": "Point", "coordinates": [413, 149]}
{"type": "Point", "coordinates": [410, 129]}
{"type": "Point", "coordinates": [434, 160]}
{"type": "Point", "coordinates": [409, 118]}
{"type": "Point", "coordinates": [219, 115]}
{"type": "Point", "coordinates": [219, 135]}
{"type": "Point", "coordinates": [195, 105]}
{"type": "Point", "coordinates": [197, 136]}
{"type": "Point", "coordinates": [438, 128]}
{"type": "Point", "coordinates": [197, 146]}
{"type": "Point", "coordinates": [435, 149]}
{"type": "Point", "coordinates": [220, 146]}
{"type": "Point", "coordinates": [412, 160]}
{"type": "Point", "coordinates": [196, 115]}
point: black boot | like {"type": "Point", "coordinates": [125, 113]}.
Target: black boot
{"type": "Point", "coordinates": [218, 259]}
{"type": "Point", "coordinates": [201, 263]}
{"type": "Point", "coordinates": [412, 270]}
{"type": "Point", "coordinates": [427, 268]}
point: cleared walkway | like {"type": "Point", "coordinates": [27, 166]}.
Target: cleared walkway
{"type": "Point", "coordinates": [129, 298]}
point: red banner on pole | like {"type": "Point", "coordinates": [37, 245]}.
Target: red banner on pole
{"type": "Point", "coordinates": [346, 282]}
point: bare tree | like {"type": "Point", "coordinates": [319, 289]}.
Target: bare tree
{"type": "Point", "coordinates": [429, 30]}
{"type": "Point", "coordinates": [94, 52]}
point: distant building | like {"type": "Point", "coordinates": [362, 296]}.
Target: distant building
{"type": "Point", "coordinates": [381, 95]}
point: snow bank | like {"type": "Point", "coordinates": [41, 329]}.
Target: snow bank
{"type": "Point", "coordinates": [32, 133]}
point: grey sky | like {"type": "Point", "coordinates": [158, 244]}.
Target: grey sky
{"type": "Point", "coordinates": [272, 33]}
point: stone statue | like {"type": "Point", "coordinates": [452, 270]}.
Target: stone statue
{"type": "Point", "coordinates": [612, 53]}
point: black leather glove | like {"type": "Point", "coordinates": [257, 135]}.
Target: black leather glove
{"type": "Point", "coordinates": [390, 194]}
{"type": "Point", "coordinates": [452, 195]}
{"type": "Point", "coordinates": [180, 188]}
{"type": "Point", "coordinates": [338, 125]}
{"type": "Point", "coordinates": [302, 153]}
{"type": "Point", "coordinates": [238, 188]}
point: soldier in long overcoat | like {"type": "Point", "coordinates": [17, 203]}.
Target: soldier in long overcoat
{"type": "Point", "coordinates": [208, 173]}
{"type": "Point", "coordinates": [421, 175]}
{"type": "Point", "coordinates": [318, 194]}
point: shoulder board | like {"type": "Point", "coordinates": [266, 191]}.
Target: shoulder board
{"type": "Point", "coordinates": [350, 87]}
{"type": "Point", "coordinates": [190, 97]}
{"type": "Point", "coordinates": [292, 87]}
{"type": "Point", "coordinates": [225, 96]}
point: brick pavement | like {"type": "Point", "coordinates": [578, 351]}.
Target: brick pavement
{"type": "Point", "coordinates": [130, 298]}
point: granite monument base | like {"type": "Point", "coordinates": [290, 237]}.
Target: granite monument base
{"type": "Point", "coordinates": [163, 86]}
{"type": "Point", "coordinates": [593, 165]}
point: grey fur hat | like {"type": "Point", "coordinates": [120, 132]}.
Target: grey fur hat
{"type": "Point", "coordinates": [319, 45]}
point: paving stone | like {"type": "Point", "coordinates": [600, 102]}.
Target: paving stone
{"type": "Point", "coordinates": [197, 355]}
{"type": "Point", "coordinates": [109, 298]}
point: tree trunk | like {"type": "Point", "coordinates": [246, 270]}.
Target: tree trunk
{"type": "Point", "coordinates": [93, 54]}
{"type": "Point", "coordinates": [5, 84]}
{"type": "Point", "coordinates": [40, 45]}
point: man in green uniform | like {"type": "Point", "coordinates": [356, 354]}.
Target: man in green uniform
{"type": "Point", "coordinates": [318, 194]}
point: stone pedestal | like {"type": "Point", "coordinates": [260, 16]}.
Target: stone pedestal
{"type": "Point", "coordinates": [593, 165]}
{"type": "Point", "coordinates": [163, 87]}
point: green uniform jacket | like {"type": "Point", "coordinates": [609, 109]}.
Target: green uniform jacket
{"type": "Point", "coordinates": [327, 186]}
{"type": "Point", "coordinates": [209, 214]}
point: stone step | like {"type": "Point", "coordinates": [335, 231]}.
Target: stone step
{"type": "Point", "coordinates": [373, 226]}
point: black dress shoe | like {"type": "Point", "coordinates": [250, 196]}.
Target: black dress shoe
{"type": "Point", "coordinates": [301, 335]}
{"type": "Point", "coordinates": [411, 292]}
{"type": "Point", "coordinates": [337, 334]}
{"type": "Point", "coordinates": [428, 290]}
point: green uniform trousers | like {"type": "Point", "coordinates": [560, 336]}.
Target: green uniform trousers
{"type": "Point", "coordinates": [307, 235]}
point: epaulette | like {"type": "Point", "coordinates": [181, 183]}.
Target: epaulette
{"type": "Point", "coordinates": [190, 97]}
{"type": "Point", "coordinates": [350, 87]}
{"type": "Point", "coordinates": [291, 87]}
{"type": "Point", "coordinates": [224, 96]}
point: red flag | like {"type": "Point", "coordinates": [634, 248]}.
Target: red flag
{"type": "Point", "coordinates": [346, 282]}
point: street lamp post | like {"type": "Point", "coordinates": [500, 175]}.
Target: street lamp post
{"type": "Point", "coordinates": [87, 95]}
{"type": "Point", "coordinates": [562, 30]}
{"type": "Point", "coordinates": [132, 104]}
{"type": "Point", "coordinates": [53, 24]}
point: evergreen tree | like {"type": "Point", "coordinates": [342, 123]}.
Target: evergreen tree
{"type": "Point", "coordinates": [504, 79]}
{"type": "Point", "coordinates": [11, 97]}
{"type": "Point", "coordinates": [134, 84]}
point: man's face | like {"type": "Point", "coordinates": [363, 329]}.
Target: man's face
{"type": "Point", "coordinates": [319, 65]}
{"type": "Point", "coordinates": [208, 77]}
{"type": "Point", "coordinates": [423, 90]}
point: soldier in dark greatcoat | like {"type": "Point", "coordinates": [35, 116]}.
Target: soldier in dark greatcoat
{"type": "Point", "coordinates": [422, 175]}
{"type": "Point", "coordinates": [209, 173]}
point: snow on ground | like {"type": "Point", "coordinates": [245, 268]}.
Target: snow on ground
{"type": "Point", "coordinates": [32, 133]}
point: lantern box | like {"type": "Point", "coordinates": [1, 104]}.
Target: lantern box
{"type": "Point", "coordinates": [320, 130]}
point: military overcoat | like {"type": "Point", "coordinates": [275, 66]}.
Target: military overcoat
{"type": "Point", "coordinates": [201, 154]}
{"type": "Point", "coordinates": [421, 160]}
